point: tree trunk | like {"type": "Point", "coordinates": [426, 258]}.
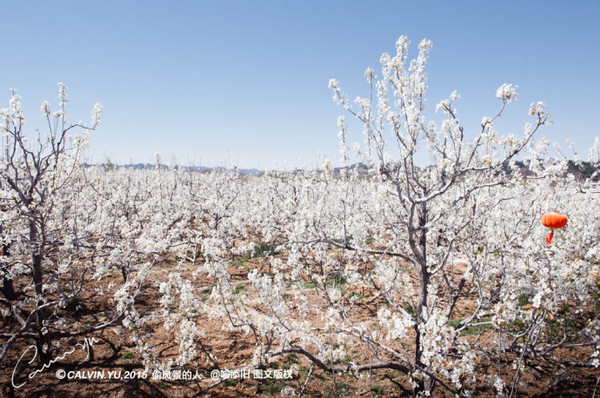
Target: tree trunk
{"type": "Point", "coordinates": [424, 280]}
{"type": "Point", "coordinates": [36, 258]}
{"type": "Point", "coordinates": [8, 289]}
{"type": "Point", "coordinates": [42, 341]}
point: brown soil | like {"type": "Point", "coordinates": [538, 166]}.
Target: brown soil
{"type": "Point", "coordinates": [113, 351]}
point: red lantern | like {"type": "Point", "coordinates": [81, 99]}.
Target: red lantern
{"type": "Point", "coordinates": [553, 221]}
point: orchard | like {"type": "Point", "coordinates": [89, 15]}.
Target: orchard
{"type": "Point", "coordinates": [427, 272]}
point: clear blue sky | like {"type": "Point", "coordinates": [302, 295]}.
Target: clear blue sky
{"type": "Point", "coordinates": [204, 82]}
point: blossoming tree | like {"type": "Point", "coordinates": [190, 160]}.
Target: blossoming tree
{"type": "Point", "coordinates": [452, 248]}
{"type": "Point", "coordinates": [428, 262]}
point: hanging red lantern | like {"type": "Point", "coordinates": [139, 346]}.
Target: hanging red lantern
{"type": "Point", "coordinates": [553, 221]}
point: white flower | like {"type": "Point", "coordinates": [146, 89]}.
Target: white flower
{"type": "Point", "coordinates": [455, 96]}
{"type": "Point", "coordinates": [499, 385]}
{"type": "Point", "coordinates": [62, 93]}
{"type": "Point", "coordinates": [537, 109]}
{"type": "Point", "coordinates": [425, 44]}
{"type": "Point", "coordinates": [594, 153]}
{"type": "Point", "coordinates": [96, 114]}
{"type": "Point", "coordinates": [45, 107]}
{"type": "Point", "coordinates": [333, 84]}
{"type": "Point", "coordinates": [288, 391]}
{"type": "Point", "coordinates": [507, 92]}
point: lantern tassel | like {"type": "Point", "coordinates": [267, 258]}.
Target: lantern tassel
{"type": "Point", "coordinates": [549, 238]}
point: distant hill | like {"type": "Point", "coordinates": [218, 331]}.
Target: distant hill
{"type": "Point", "coordinates": [579, 170]}
{"type": "Point", "coordinates": [142, 166]}
{"type": "Point", "coordinates": [361, 168]}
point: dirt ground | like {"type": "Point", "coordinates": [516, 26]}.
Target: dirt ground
{"type": "Point", "coordinates": [107, 365]}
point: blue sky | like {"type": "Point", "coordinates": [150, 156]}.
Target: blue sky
{"type": "Point", "coordinates": [224, 82]}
